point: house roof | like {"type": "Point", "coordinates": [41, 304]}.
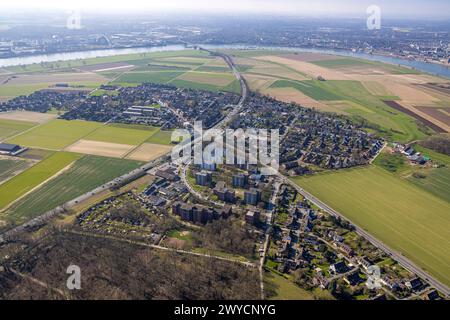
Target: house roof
{"type": "Point", "coordinates": [8, 147]}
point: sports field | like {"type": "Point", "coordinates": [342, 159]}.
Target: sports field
{"type": "Point", "coordinates": [34, 176]}
{"type": "Point", "coordinates": [55, 134]}
{"type": "Point", "coordinates": [84, 175]}
{"type": "Point", "coordinates": [402, 215]}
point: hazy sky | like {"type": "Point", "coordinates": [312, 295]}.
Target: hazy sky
{"type": "Point", "coordinates": [342, 8]}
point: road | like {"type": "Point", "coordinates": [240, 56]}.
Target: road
{"type": "Point", "coordinates": [269, 221]}
{"type": "Point", "coordinates": [221, 124]}
{"type": "Point", "coordinates": [405, 262]}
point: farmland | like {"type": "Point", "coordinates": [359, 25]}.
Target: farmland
{"type": "Point", "coordinates": [31, 178]}
{"type": "Point", "coordinates": [351, 86]}
{"type": "Point", "coordinates": [161, 137]}
{"type": "Point", "coordinates": [10, 128]}
{"type": "Point", "coordinates": [84, 175]}
{"type": "Point", "coordinates": [311, 88]}
{"type": "Point", "coordinates": [359, 65]}
{"type": "Point", "coordinates": [434, 180]}
{"type": "Point", "coordinates": [55, 134]}
{"type": "Point", "coordinates": [402, 215]}
{"type": "Point", "coordinates": [148, 152]}
{"type": "Point", "coordinates": [154, 77]}
{"type": "Point", "coordinates": [11, 167]}
{"type": "Point", "coordinates": [122, 134]}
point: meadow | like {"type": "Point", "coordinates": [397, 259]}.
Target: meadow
{"type": "Point", "coordinates": [408, 219]}
{"type": "Point", "coordinates": [84, 175]}
{"type": "Point", "coordinates": [34, 176]}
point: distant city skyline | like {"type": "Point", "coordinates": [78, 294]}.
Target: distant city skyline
{"type": "Point", "coordinates": [330, 8]}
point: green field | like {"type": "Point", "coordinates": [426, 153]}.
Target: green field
{"type": "Point", "coordinates": [393, 124]}
{"type": "Point", "coordinates": [136, 59]}
{"type": "Point", "coordinates": [232, 87]}
{"type": "Point", "coordinates": [86, 174]}
{"type": "Point", "coordinates": [9, 168]}
{"type": "Point", "coordinates": [9, 128]}
{"type": "Point", "coordinates": [29, 179]}
{"type": "Point", "coordinates": [153, 77]}
{"type": "Point", "coordinates": [285, 289]}
{"type": "Point", "coordinates": [434, 180]}
{"type": "Point", "coordinates": [311, 88]}
{"type": "Point", "coordinates": [161, 137]}
{"type": "Point", "coordinates": [354, 62]}
{"type": "Point", "coordinates": [122, 134]}
{"type": "Point", "coordinates": [405, 217]}
{"type": "Point", "coordinates": [12, 91]}
{"type": "Point", "coordinates": [56, 134]}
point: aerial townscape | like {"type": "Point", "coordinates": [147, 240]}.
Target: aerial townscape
{"type": "Point", "coordinates": [93, 112]}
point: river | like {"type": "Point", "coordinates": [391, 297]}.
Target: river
{"type": "Point", "coordinates": [431, 68]}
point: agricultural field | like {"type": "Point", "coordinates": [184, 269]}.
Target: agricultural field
{"type": "Point", "coordinates": [34, 176]}
{"type": "Point", "coordinates": [353, 87]}
{"type": "Point", "coordinates": [24, 84]}
{"type": "Point", "coordinates": [430, 179]}
{"type": "Point", "coordinates": [141, 77]}
{"type": "Point", "coordinates": [99, 63]}
{"type": "Point", "coordinates": [407, 218]}
{"type": "Point", "coordinates": [99, 148]}
{"type": "Point", "coordinates": [352, 98]}
{"type": "Point", "coordinates": [56, 134]}
{"type": "Point", "coordinates": [9, 167]}
{"type": "Point", "coordinates": [9, 128]}
{"type": "Point", "coordinates": [161, 137]}
{"type": "Point", "coordinates": [27, 116]}
{"type": "Point", "coordinates": [232, 87]}
{"type": "Point", "coordinates": [435, 181]}
{"type": "Point", "coordinates": [122, 134]}
{"type": "Point", "coordinates": [311, 88]}
{"type": "Point", "coordinates": [84, 175]}
{"type": "Point", "coordinates": [354, 65]}
{"type": "Point", "coordinates": [148, 152]}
